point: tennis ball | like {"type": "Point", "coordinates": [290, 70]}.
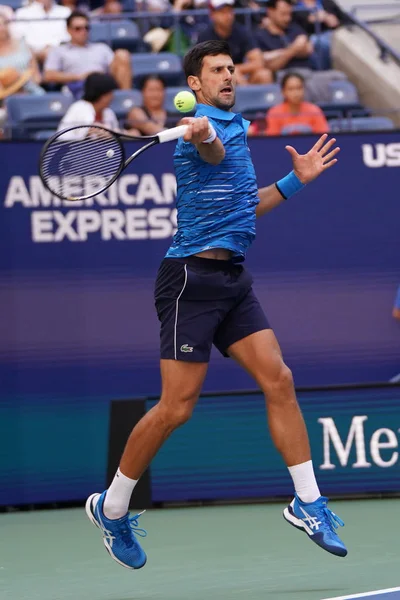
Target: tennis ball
{"type": "Point", "coordinates": [184, 102]}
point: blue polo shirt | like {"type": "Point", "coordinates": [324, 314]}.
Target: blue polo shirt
{"type": "Point", "coordinates": [216, 203]}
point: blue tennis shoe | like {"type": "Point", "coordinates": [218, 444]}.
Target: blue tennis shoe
{"type": "Point", "coordinates": [119, 535]}
{"type": "Point", "coordinates": [318, 522]}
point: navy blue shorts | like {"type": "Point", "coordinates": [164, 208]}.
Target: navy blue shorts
{"type": "Point", "coordinates": [201, 302]}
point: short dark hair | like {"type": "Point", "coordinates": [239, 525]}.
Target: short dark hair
{"type": "Point", "coordinates": [151, 77]}
{"type": "Point", "coordinates": [288, 76]}
{"type": "Point", "coordinates": [193, 61]}
{"type": "Point", "coordinates": [273, 3]}
{"type": "Point", "coordinates": [97, 85]}
{"type": "Point", "coordinates": [75, 15]}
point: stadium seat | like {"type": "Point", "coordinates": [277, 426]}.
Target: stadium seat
{"type": "Point", "coordinates": [361, 124]}
{"type": "Point", "coordinates": [124, 100]}
{"type": "Point", "coordinates": [29, 114]}
{"type": "Point", "coordinates": [43, 135]}
{"type": "Point", "coordinates": [255, 99]}
{"type": "Point", "coordinates": [14, 4]}
{"type": "Point", "coordinates": [117, 34]}
{"type": "Point", "coordinates": [343, 96]}
{"type": "Point", "coordinates": [165, 64]}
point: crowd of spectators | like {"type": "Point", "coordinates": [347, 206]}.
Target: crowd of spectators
{"type": "Point", "coordinates": [46, 46]}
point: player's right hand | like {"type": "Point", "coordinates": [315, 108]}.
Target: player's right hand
{"type": "Point", "coordinates": [198, 129]}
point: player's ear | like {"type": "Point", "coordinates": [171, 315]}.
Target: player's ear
{"type": "Point", "coordinates": [194, 83]}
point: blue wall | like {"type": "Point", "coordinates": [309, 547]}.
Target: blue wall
{"type": "Point", "coordinates": [77, 323]}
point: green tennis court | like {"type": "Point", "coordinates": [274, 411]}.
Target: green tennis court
{"type": "Point", "coordinates": [217, 553]}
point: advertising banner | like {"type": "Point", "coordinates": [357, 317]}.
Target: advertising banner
{"type": "Point", "coordinates": [76, 279]}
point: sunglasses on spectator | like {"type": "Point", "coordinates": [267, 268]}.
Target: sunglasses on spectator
{"type": "Point", "coordinates": [81, 27]}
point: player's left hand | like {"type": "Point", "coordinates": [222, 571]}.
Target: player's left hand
{"type": "Point", "coordinates": [317, 160]}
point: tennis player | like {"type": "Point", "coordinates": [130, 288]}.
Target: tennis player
{"type": "Point", "coordinates": [204, 296]}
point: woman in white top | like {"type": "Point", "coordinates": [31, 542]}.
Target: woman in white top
{"type": "Point", "coordinates": [94, 108]}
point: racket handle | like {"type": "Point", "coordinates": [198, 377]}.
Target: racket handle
{"type": "Point", "coordinates": [172, 134]}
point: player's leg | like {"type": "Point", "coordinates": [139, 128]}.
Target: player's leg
{"type": "Point", "coordinates": [261, 356]}
{"type": "Point", "coordinates": [181, 386]}
{"type": "Point", "coordinates": [188, 322]}
{"type": "Point", "coordinates": [246, 337]}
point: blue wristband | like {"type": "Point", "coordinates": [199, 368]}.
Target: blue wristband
{"type": "Point", "coordinates": [289, 185]}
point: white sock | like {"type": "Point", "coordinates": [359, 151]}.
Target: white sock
{"type": "Point", "coordinates": [116, 503]}
{"type": "Point", "coordinates": [304, 481]}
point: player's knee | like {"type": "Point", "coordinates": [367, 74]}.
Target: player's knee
{"type": "Point", "coordinates": [182, 414]}
{"type": "Point", "coordinates": [281, 385]}
{"type": "Point", "coordinates": [177, 413]}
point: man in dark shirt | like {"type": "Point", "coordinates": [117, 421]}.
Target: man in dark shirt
{"type": "Point", "coordinates": [246, 54]}
{"type": "Point", "coordinates": [285, 44]}
{"type": "Point", "coordinates": [326, 12]}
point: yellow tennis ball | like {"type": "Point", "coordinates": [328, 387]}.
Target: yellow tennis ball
{"type": "Point", "coordinates": [184, 102]}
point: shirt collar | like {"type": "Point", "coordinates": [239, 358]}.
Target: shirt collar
{"type": "Point", "coordinates": [215, 113]}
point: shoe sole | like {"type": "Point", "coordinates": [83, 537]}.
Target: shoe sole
{"type": "Point", "coordinates": [93, 520]}
{"type": "Point", "coordinates": [293, 520]}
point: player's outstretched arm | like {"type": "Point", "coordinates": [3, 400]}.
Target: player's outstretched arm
{"type": "Point", "coordinates": [306, 168]}
{"type": "Point", "coordinates": [202, 134]}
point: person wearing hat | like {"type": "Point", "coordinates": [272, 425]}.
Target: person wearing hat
{"type": "Point", "coordinates": [246, 54]}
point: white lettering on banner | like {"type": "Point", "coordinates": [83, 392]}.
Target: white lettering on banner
{"type": "Point", "coordinates": [356, 434]}
{"type": "Point", "coordinates": [79, 223]}
{"type": "Point", "coordinates": [376, 445]}
{"type": "Point", "coordinates": [381, 155]}
{"type": "Point", "coordinates": [381, 439]}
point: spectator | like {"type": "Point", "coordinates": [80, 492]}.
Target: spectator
{"type": "Point", "coordinates": [294, 115]}
{"type": "Point", "coordinates": [46, 33]}
{"type": "Point", "coordinates": [110, 7]}
{"type": "Point", "coordinates": [18, 66]}
{"type": "Point", "coordinates": [329, 17]}
{"type": "Point", "coordinates": [71, 63]}
{"type": "Point", "coordinates": [325, 12]}
{"type": "Point", "coordinates": [94, 107]}
{"type": "Point", "coordinates": [95, 104]}
{"type": "Point", "coordinates": [245, 52]}
{"type": "Point", "coordinates": [285, 44]}
{"type": "Point", "coordinates": [151, 117]}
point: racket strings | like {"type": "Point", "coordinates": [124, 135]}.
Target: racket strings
{"type": "Point", "coordinates": [81, 161]}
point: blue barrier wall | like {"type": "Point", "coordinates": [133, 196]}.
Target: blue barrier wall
{"type": "Point", "coordinates": [77, 323]}
{"type": "Point", "coordinates": [53, 452]}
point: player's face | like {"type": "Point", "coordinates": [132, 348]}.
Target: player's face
{"type": "Point", "coordinates": [293, 92]}
{"type": "Point", "coordinates": [217, 82]}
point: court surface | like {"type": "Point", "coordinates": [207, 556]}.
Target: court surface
{"type": "Point", "coordinates": [208, 553]}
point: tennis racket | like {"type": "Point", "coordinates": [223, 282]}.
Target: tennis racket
{"type": "Point", "coordinates": [83, 161]}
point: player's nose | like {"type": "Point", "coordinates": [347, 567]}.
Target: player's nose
{"type": "Point", "coordinates": [228, 75]}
